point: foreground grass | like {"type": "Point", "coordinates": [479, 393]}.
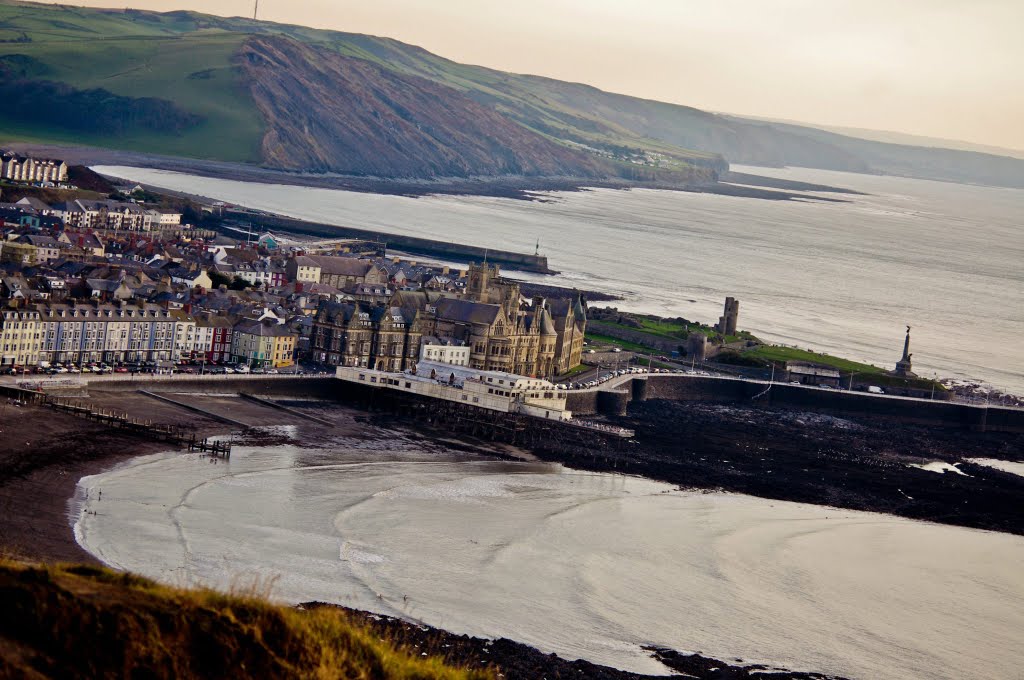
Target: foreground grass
{"type": "Point", "coordinates": [82, 621]}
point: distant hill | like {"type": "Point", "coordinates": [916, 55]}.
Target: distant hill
{"type": "Point", "coordinates": [303, 99]}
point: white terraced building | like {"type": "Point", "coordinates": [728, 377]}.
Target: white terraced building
{"type": "Point", "coordinates": [491, 390]}
{"type": "Point", "coordinates": [22, 169]}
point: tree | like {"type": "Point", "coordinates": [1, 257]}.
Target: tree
{"type": "Point", "coordinates": [218, 279]}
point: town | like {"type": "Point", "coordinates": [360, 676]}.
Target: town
{"type": "Point", "coordinates": [113, 285]}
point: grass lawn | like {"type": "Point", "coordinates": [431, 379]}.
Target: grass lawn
{"type": "Point", "coordinates": [783, 354]}
{"type": "Point", "coordinates": [597, 340]}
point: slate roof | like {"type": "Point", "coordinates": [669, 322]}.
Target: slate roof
{"type": "Point", "coordinates": [467, 311]}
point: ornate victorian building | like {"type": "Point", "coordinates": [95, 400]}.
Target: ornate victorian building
{"type": "Point", "coordinates": [503, 331]}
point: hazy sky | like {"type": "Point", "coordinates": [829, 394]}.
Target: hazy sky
{"type": "Point", "coordinates": [943, 68]}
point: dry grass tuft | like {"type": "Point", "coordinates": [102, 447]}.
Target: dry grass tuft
{"type": "Point", "coordinates": [85, 621]}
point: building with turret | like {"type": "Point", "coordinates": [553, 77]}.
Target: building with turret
{"type": "Point", "coordinates": [502, 330]}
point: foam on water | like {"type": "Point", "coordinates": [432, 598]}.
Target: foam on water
{"type": "Point", "coordinates": [1004, 465]}
{"type": "Point", "coordinates": [586, 565]}
{"type": "Point", "coordinates": [940, 467]}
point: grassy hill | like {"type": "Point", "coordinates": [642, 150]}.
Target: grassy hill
{"type": "Point", "coordinates": [199, 101]}
{"type": "Point", "coordinates": [88, 622]}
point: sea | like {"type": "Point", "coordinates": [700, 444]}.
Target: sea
{"type": "Point", "coordinates": [843, 278]}
{"type": "Point", "coordinates": [505, 549]}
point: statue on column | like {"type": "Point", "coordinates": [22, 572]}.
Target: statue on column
{"type": "Point", "coordinates": [904, 366]}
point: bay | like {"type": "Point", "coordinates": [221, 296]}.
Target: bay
{"type": "Point", "coordinates": [583, 564]}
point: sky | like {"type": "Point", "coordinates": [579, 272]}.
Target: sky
{"type": "Point", "coordinates": [940, 68]}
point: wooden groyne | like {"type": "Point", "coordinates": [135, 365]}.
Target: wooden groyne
{"type": "Point", "coordinates": [145, 428]}
{"type": "Point", "coordinates": [196, 409]}
{"type": "Point", "coordinates": [214, 447]}
{"type": "Point", "coordinates": [281, 407]}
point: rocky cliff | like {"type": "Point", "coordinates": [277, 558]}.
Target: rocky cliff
{"type": "Point", "coordinates": [325, 112]}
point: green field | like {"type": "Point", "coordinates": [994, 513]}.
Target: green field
{"type": "Point", "coordinates": [88, 49]}
{"type": "Point", "coordinates": [608, 341]}
{"type": "Point", "coordinates": [779, 354]}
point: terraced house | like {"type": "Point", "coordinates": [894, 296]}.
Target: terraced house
{"type": "Point", "coordinates": [25, 169]}
{"type": "Point", "coordinates": [109, 332]}
{"type": "Point", "coordinates": [263, 344]}
{"type": "Point", "coordinates": [19, 337]}
{"type": "Point", "coordinates": [106, 214]}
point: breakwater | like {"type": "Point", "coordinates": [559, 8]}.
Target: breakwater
{"type": "Point", "coordinates": [841, 403]}
{"type": "Point", "coordinates": [410, 244]}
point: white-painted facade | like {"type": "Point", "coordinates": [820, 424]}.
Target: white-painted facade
{"type": "Point", "coordinates": [441, 352]}
{"type": "Point", "coordinates": [491, 390]}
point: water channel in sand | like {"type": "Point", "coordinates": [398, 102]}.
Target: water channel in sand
{"type": "Point", "coordinates": [582, 564]}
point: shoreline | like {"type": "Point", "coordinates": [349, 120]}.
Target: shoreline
{"type": "Point", "coordinates": [515, 187]}
{"type": "Point", "coordinates": [36, 490]}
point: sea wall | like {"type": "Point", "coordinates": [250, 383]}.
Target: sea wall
{"type": "Point", "coordinates": [409, 244]}
{"type": "Point", "coordinates": [270, 386]}
{"type": "Point", "coordinates": [834, 402]}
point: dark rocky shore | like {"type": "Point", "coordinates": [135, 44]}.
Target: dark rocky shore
{"type": "Point", "coordinates": [512, 660]}
{"type": "Point", "coordinates": [819, 459]}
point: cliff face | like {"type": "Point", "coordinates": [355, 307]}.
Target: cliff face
{"type": "Point", "coordinates": [328, 113]}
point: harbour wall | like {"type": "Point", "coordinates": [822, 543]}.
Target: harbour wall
{"type": "Point", "coordinates": [409, 244]}
{"type": "Point", "coordinates": [834, 402]}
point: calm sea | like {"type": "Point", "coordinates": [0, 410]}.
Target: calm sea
{"type": "Point", "coordinates": [846, 278]}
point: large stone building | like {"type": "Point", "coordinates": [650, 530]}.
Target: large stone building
{"type": "Point", "coordinates": [502, 331]}
{"type": "Point", "coordinates": [384, 337]}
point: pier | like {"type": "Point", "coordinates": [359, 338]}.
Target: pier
{"type": "Point", "coordinates": [409, 244]}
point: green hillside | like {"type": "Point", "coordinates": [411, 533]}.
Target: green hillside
{"type": "Point", "coordinates": [137, 55]}
{"type": "Point", "coordinates": [187, 58]}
